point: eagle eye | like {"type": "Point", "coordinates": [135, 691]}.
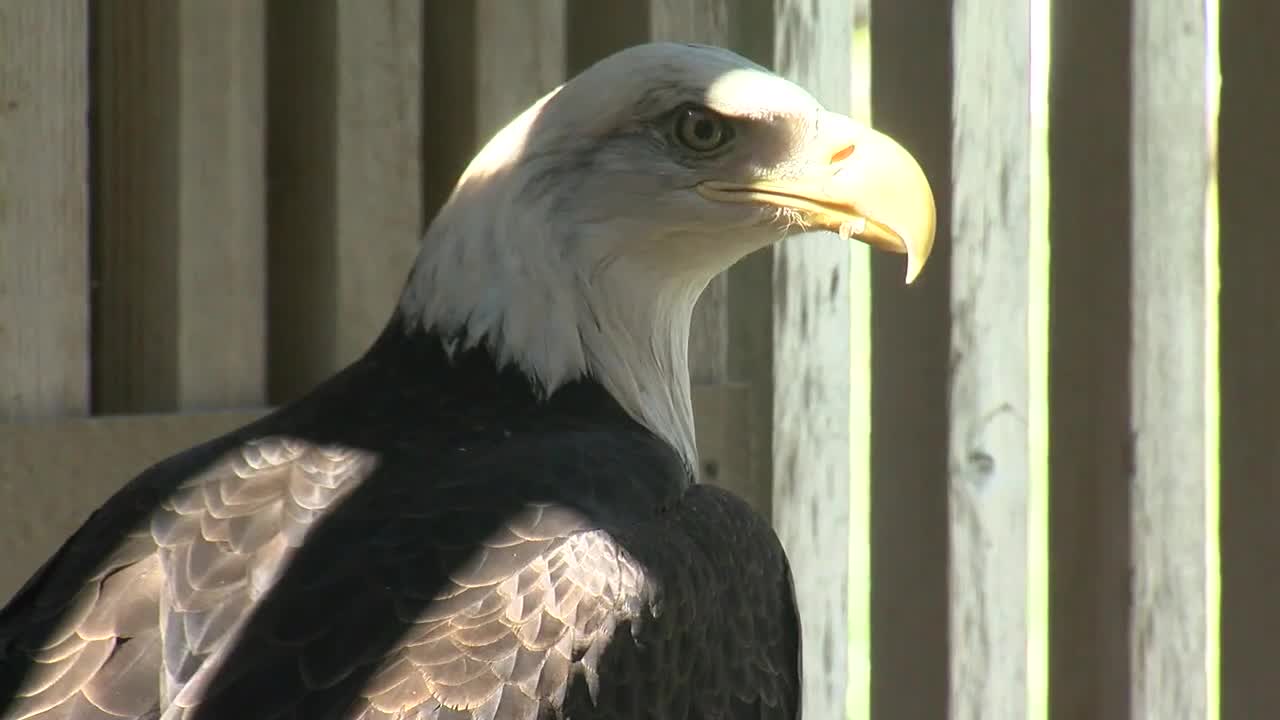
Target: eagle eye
{"type": "Point", "coordinates": [700, 129]}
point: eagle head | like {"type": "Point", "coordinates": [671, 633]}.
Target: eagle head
{"type": "Point", "coordinates": [579, 238]}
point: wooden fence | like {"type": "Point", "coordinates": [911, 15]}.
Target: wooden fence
{"type": "Point", "coordinates": [208, 205]}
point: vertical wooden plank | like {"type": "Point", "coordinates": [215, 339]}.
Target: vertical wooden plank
{"type": "Point", "coordinates": [44, 157]}
{"type": "Point", "coordinates": [858, 693]}
{"type": "Point", "coordinates": [379, 172]}
{"type": "Point", "coordinates": [988, 468]}
{"type": "Point", "coordinates": [911, 91]}
{"type": "Point", "coordinates": [179, 205]}
{"type": "Point", "coordinates": [810, 377]}
{"type": "Point", "coordinates": [1090, 446]}
{"type": "Point", "coordinates": [1248, 176]}
{"type": "Point", "coordinates": [346, 166]}
{"type": "Point", "coordinates": [811, 374]}
{"type": "Point", "coordinates": [1170, 176]}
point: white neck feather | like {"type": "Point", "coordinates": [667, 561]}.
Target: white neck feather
{"type": "Point", "coordinates": [624, 326]}
{"type": "Point", "coordinates": [548, 293]}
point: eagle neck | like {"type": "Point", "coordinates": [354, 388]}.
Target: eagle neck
{"type": "Point", "coordinates": [623, 323]}
{"type": "Point", "coordinates": [636, 344]}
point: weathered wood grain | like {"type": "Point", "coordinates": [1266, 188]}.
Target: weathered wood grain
{"type": "Point", "coordinates": [988, 470]}
{"type": "Point", "coordinates": [1090, 447]}
{"type": "Point", "coordinates": [44, 214]}
{"type": "Point", "coordinates": [858, 693]}
{"type": "Point", "coordinates": [1170, 175]}
{"type": "Point", "coordinates": [811, 374]}
{"type": "Point", "coordinates": [1248, 179]}
{"type": "Point", "coordinates": [346, 211]}
{"type": "Point", "coordinates": [179, 205]}
{"type": "Point", "coordinates": [911, 96]}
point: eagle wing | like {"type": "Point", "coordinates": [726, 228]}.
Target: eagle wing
{"type": "Point", "coordinates": [439, 602]}
{"type": "Point", "coordinates": [158, 579]}
{"type": "Point", "coordinates": [281, 578]}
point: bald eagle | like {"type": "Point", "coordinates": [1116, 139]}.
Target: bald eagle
{"type": "Point", "coordinates": [493, 513]}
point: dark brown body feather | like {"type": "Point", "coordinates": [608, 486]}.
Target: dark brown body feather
{"type": "Point", "coordinates": [415, 539]}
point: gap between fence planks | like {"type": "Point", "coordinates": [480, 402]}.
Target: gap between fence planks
{"type": "Point", "coordinates": [179, 183]}
{"type": "Point", "coordinates": [1090, 386]}
{"type": "Point", "coordinates": [1128, 608]}
{"type": "Point", "coordinates": [911, 96]}
{"type": "Point", "coordinates": [1248, 178]}
{"type": "Point", "coordinates": [346, 194]}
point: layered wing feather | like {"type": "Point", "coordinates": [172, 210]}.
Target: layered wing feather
{"type": "Point", "coordinates": [118, 637]}
{"type": "Point", "coordinates": [293, 580]}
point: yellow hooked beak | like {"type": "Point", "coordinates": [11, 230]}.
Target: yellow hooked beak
{"type": "Point", "coordinates": [858, 182]}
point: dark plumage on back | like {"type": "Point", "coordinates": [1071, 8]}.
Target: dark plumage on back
{"type": "Point", "coordinates": [470, 552]}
